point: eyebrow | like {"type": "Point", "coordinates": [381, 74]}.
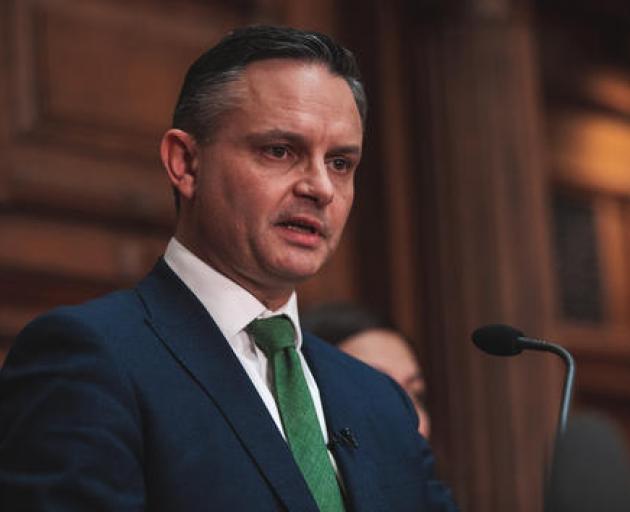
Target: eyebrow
{"type": "Point", "coordinates": [298, 139]}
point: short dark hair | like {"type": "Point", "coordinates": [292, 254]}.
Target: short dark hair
{"type": "Point", "coordinates": [203, 96]}
{"type": "Point", "coordinates": [335, 322]}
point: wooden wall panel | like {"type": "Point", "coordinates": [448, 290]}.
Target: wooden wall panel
{"type": "Point", "coordinates": [116, 189]}
{"type": "Point", "coordinates": [87, 89]}
{"type": "Point", "coordinates": [76, 250]}
{"type": "Point", "coordinates": [86, 74]}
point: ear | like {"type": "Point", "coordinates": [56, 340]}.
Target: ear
{"type": "Point", "coordinates": [180, 159]}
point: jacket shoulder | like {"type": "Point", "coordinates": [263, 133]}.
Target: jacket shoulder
{"type": "Point", "coordinates": [319, 348]}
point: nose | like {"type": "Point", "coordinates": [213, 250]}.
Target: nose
{"type": "Point", "coordinates": [315, 184]}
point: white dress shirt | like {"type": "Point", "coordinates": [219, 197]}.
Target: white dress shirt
{"type": "Point", "coordinates": [233, 308]}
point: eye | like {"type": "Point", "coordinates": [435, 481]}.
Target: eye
{"type": "Point", "coordinates": [278, 152]}
{"type": "Point", "coordinates": [341, 164]}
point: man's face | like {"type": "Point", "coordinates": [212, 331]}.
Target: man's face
{"type": "Point", "coordinates": [275, 185]}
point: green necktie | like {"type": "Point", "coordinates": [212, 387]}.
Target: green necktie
{"type": "Point", "coordinates": [275, 337]}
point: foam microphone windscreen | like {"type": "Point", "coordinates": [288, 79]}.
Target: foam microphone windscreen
{"type": "Point", "coordinates": [497, 339]}
{"type": "Point", "coordinates": [591, 468]}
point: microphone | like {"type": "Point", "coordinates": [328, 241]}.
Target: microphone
{"type": "Point", "coordinates": [344, 437]}
{"type": "Point", "coordinates": [349, 437]}
{"type": "Point", "coordinates": [503, 340]}
{"type": "Point", "coordinates": [590, 470]}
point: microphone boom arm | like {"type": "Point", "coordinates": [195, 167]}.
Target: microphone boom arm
{"type": "Point", "coordinates": [534, 344]}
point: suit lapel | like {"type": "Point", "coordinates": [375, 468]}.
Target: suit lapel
{"type": "Point", "coordinates": [189, 333]}
{"type": "Point", "coordinates": [344, 407]}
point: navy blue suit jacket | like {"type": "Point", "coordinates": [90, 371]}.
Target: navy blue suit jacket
{"type": "Point", "coordinates": [135, 401]}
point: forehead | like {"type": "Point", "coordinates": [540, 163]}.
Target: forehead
{"type": "Point", "coordinates": [383, 349]}
{"type": "Point", "coordinates": [282, 90]}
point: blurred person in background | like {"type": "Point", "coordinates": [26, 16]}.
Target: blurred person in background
{"type": "Point", "coordinates": [375, 341]}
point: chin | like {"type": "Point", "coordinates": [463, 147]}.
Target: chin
{"type": "Point", "coordinates": [298, 272]}
{"type": "Point", "coordinates": [298, 267]}
{"type": "Point", "coordinates": [298, 275]}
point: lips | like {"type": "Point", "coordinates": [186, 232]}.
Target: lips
{"type": "Point", "coordinates": [304, 226]}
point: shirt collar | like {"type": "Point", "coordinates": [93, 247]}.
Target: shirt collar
{"type": "Point", "coordinates": [230, 305]}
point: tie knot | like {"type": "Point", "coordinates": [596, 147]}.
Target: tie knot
{"type": "Point", "coordinates": [272, 334]}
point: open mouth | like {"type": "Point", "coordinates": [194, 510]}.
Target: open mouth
{"type": "Point", "coordinates": [300, 226]}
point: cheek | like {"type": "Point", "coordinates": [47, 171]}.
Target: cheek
{"type": "Point", "coordinates": [341, 208]}
{"type": "Point", "coordinates": [346, 196]}
{"type": "Point", "coordinates": [242, 196]}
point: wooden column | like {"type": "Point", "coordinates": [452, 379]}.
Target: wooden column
{"type": "Point", "coordinates": [483, 226]}
{"type": "Point", "coordinates": [453, 229]}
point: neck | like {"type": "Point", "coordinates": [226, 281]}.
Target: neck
{"type": "Point", "coordinates": [273, 298]}
{"type": "Point", "coordinates": [272, 303]}
{"type": "Point", "coordinates": [272, 295]}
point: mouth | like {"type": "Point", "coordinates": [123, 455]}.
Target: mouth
{"type": "Point", "coordinates": [301, 227]}
{"type": "Point", "coordinates": [304, 226]}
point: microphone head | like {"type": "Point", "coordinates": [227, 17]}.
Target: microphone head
{"type": "Point", "coordinates": [498, 339]}
{"type": "Point", "coordinates": [591, 468]}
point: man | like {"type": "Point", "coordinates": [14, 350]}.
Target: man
{"type": "Point", "coordinates": [183, 394]}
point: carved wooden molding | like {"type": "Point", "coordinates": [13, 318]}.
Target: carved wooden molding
{"type": "Point", "coordinates": [90, 88]}
{"type": "Point", "coordinates": [76, 250]}
{"type": "Point", "coordinates": [104, 75]}
{"type": "Point", "coordinates": [119, 190]}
